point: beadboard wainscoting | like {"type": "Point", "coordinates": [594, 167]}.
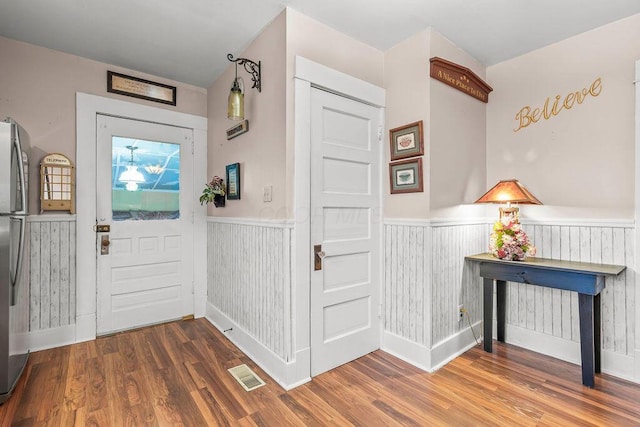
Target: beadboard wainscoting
{"type": "Point", "coordinates": [426, 279]}
{"type": "Point", "coordinates": [455, 282]}
{"type": "Point", "coordinates": [546, 320]}
{"type": "Point", "coordinates": [52, 289]}
{"type": "Point", "coordinates": [249, 288]}
{"type": "Point", "coordinates": [52, 281]}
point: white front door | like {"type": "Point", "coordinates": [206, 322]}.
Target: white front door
{"type": "Point", "coordinates": [145, 194]}
{"type": "Point", "coordinates": [345, 222]}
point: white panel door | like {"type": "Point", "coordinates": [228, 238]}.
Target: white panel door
{"type": "Point", "coordinates": [345, 221]}
{"type": "Point", "coordinates": [147, 275]}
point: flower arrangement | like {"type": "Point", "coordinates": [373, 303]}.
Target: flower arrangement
{"type": "Point", "coordinates": [509, 241]}
{"type": "Point", "coordinates": [214, 192]}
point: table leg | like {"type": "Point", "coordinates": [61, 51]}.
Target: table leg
{"type": "Point", "coordinates": [487, 311]}
{"type": "Point", "coordinates": [597, 340]}
{"type": "Point", "coordinates": [587, 339]}
{"type": "Point", "coordinates": [501, 310]}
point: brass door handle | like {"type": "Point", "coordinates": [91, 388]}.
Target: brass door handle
{"type": "Point", "coordinates": [104, 244]}
{"type": "Point", "coordinates": [318, 254]}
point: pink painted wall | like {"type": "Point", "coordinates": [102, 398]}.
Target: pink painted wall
{"type": "Point", "coordinates": [454, 129]}
{"type": "Point", "coordinates": [580, 162]}
{"type": "Point", "coordinates": [457, 134]}
{"type": "Point", "coordinates": [38, 89]}
{"type": "Point", "coordinates": [261, 152]}
{"type": "Point", "coordinates": [406, 80]}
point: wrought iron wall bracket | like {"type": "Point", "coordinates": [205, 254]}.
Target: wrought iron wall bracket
{"type": "Point", "coordinates": [251, 68]}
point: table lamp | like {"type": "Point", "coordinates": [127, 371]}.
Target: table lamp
{"type": "Point", "coordinates": [509, 191]}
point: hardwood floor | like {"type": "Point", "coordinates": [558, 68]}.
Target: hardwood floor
{"type": "Point", "coordinates": [176, 374]}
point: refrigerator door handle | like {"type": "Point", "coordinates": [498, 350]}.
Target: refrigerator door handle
{"type": "Point", "coordinates": [17, 274]}
{"type": "Point", "coordinates": [23, 188]}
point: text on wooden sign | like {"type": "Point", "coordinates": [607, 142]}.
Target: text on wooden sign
{"type": "Point", "coordinates": [459, 77]}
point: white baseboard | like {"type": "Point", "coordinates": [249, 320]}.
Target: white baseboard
{"type": "Point", "coordinates": [411, 352]}
{"type": "Point", "coordinates": [287, 374]}
{"type": "Point", "coordinates": [200, 305]}
{"type": "Point", "coordinates": [447, 350]}
{"type": "Point", "coordinates": [46, 338]}
{"type": "Point", "coordinates": [618, 365]}
{"type": "Point", "coordinates": [636, 371]}
{"type": "Point", "coordinates": [86, 327]}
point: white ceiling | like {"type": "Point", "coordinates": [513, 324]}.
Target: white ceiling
{"type": "Point", "coordinates": [187, 40]}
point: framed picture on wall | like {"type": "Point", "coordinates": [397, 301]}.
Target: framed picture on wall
{"type": "Point", "coordinates": [406, 141]}
{"type": "Point", "coordinates": [233, 181]}
{"type": "Point", "coordinates": [406, 176]}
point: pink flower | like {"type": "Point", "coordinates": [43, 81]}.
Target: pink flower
{"type": "Point", "coordinates": [509, 241]}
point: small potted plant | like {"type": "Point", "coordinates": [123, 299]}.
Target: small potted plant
{"type": "Point", "coordinates": [214, 192]}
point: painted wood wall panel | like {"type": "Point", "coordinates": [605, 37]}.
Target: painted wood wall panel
{"type": "Point", "coordinates": [555, 312]}
{"type": "Point", "coordinates": [52, 273]}
{"type": "Point", "coordinates": [405, 281]}
{"type": "Point", "coordinates": [249, 280]}
{"type": "Point", "coordinates": [408, 287]}
{"type": "Point", "coordinates": [535, 308]}
{"type": "Point", "coordinates": [454, 281]}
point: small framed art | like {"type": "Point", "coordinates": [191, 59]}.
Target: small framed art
{"type": "Point", "coordinates": [407, 141]}
{"type": "Point", "coordinates": [406, 176]}
{"type": "Point", "coordinates": [233, 181]}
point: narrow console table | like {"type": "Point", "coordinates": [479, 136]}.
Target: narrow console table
{"type": "Point", "coordinates": [586, 279]}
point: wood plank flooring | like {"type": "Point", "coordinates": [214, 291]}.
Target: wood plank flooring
{"type": "Point", "coordinates": [176, 374]}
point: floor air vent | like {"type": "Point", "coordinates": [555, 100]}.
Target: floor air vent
{"type": "Point", "coordinates": [246, 377]}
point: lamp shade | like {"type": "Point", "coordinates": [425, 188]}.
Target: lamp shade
{"type": "Point", "coordinates": [509, 191]}
{"type": "Point", "coordinates": [132, 174]}
{"type": "Point", "coordinates": [235, 103]}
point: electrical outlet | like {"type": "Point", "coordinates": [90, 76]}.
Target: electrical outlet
{"type": "Point", "coordinates": [461, 311]}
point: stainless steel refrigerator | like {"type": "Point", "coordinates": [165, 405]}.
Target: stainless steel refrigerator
{"type": "Point", "coordinates": [14, 300]}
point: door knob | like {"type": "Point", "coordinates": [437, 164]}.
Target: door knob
{"type": "Point", "coordinates": [104, 244]}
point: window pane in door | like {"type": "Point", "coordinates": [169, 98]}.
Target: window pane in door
{"type": "Point", "coordinates": [145, 179]}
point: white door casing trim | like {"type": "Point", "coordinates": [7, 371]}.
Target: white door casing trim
{"type": "Point", "coordinates": [87, 107]}
{"type": "Point", "coordinates": [637, 216]}
{"type": "Point", "coordinates": [307, 74]}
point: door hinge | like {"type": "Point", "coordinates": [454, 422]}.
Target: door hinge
{"type": "Point", "coordinates": [380, 311]}
{"type": "Point", "coordinates": [192, 143]}
{"type": "Point", "coordinates": [380, 130]}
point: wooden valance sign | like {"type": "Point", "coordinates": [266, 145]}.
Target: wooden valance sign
{"type": "Point", "coordinates": [140, 88]}
{"type": "Point", "coordinates": [460, 78]}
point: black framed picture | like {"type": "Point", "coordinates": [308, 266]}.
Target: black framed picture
{"type": "Point", "coordinates": [233, 181]}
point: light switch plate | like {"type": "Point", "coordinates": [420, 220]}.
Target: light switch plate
{"type": "Point", "coordinates": [266, 195]}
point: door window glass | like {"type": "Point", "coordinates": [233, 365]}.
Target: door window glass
{"type": "Point", "coordinates": [145, 179]}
